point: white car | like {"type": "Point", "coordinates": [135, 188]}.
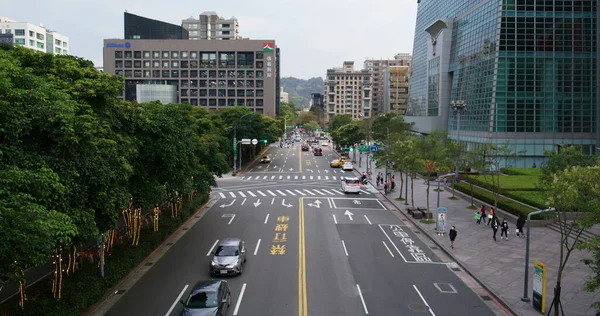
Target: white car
{"type": "Point", "coordinates": [347, 166]}
{"type": "Point", "coordinates": [351, 185]}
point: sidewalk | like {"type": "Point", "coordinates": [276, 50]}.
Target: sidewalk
{"type": "Point", "coordinates": [500, 265]}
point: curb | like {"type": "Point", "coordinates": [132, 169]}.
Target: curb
{"type": "Point", "coordinates": [110, 292]}
{"type": "Point", "coordinates": [253, 161]}
{"type": "Point", "coordinates": [458, 262]}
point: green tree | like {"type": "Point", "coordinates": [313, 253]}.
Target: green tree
{"type": "Point", "coordinates": [404, 154]}
{"type": "Point", "coordinates": [575, 189]}
{"type": "Point", "coordinates": [495, 157]}
{"type": "Point", "coordinates": [560, 160]}
{"type": "Point", "coordinates": [311, 126]}
{"type": "Point", "coordinates": [305, 117]}
{"type": "Point", "coordinates": [318, 112]}
{"type": "Point", "coordinates": [349, 134]}
{"type": "Point", "coordinates": [433, 149]}
{"type": "Point", "coordinates": [388, 127]}
{"type": "Point", "coordinates": [338, 121]}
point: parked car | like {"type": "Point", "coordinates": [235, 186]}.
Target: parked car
{"type": "Point", "coordinates": [211, 297]}
{"type": "Point", "coordinates": [351, 185]}
{"type": "Point", "coordinates": [265, 159]}
{"type": "Point", "coordinates": [229, 257]}
{"type": "Point", "coordinates": [347, 166]}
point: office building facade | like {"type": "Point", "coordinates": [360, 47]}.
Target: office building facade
{"type": "Point", "coordinates": [317, 99]}
{"type": "Point", "coordinates": [211, 74]}
{"type": "Point", "coordinates": [396, 80]}
{"type": "Point", "coordinates": [36, 37]}
{"type": "Point", "coordinates": [377, 69]}
{"type": "Point", "coordinates": [283, 96]}
{"type": "Point", "coordinates": [525, 70]}
{"type": "Point", "coordinates": [211, 26]}
{"type": "Point", "coordinates": [139, 27]}
{"type": "Point", "coordinates": [348, 91]}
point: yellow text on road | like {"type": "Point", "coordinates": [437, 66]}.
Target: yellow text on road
{"type": "Point", "coordinates": [302, 305]}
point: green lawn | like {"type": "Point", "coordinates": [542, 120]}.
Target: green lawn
{"type": "Point", "coordinates": [523, 171]}
{"type": "Point", "coordinates": [511, 182]}
{"type": "Point", "coordinates": [533, 198]}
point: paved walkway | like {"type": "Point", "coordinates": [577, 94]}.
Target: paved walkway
{"type": "Point", "coordinates": [499, 265]}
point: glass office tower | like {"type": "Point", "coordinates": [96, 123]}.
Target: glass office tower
{"type": "Point", "coordinates": [526, 70]}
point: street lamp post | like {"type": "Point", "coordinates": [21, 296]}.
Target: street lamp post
{"type": "Point", "coordinates": [458, 106]}
{"type": "Point", "coordinates": [235, 144]}
{"type": "Point", "coordinates": [525, 298]}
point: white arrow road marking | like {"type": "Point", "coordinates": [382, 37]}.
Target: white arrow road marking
{"type": "Point", "coordinates": [349, 214]}
{"type": "Point", "coordinates": [267, 219]}
{"type": "Point", "coordinates": [244, 201]}
{"type": "Point", "coordinates": [242, 194]}
{"type": "Point", "coordinates": [286, 205]}
{"type": "Point", "coordinates": [257, 203]}
{"type": "Point", "coordinates": [256, 249]}
{"type": "Point", "coordinates": [271, 192]}
{"type": "Point", "coordinates": [316, 204]}
{"type": "Point", "coordinates": [222, 195]}
{"type": "Point", "coordinates": [260, 192]}
{"type": "Point", "coordinates": [211, 248]}
{"type": "Point", "coordinates": [227, 205]}
{"type": "Point", "coordinates": [368, 220]}
{"type": "Point", "coordinates": [300, 192]}
{"type": "Point", "coordinates": [229, 215]}
{"type": "Point", "coordinates": [279, 191]}
{"type": "Point", "coordinates": [251, 194]}
{"type": "Point", "coordinates": [232, 195]}
{"type": "Point", "coordinates": [290, 192]}
{"type": "Point", "coordinates": [177, 300]}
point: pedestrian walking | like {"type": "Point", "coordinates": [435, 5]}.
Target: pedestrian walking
{"type": "Point", "coordinates": [477, 217]}
{"type": "Point", "coordinates": [446, 182]}
{"type": "Point", "coordinates": [492, 215]}
{"type": "Point", "coordinates": [393, 182]}
{"type": "Point", "coordinates": [385, 188]}
{"type": "Point", "coordinates": [494, 224]}
{"type": "Point", "coordinates": [520, 224]}
{"type": "Point", "coordinates": [378, 178]}
{"type": "Point", "coordinates": [452, 235]}
{"type": "Point", "coordinates": [504, 229]}
{"type": "Point", "coordinates": [482, 213]}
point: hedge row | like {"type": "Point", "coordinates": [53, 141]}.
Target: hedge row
{"type": "Point", "coordinates": [534, 198]}
{"type": "Point", "coordinates": [85, 288]}
{"type": "Point", "coordinates": [522, 171]}
{"type": "Point", "coordinates": [507, 183]}
{"type": "Point", "coordinates": [488, 197]}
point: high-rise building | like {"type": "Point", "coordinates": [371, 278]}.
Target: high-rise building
{"type": "Point", "coordinates": [526, 72]}
{"type": "Point", "coordinates": [317, 99]}
{"type": "Point", "coordinates": [376, 69]}
{"type": "Point", "coordinates": [139, 27]}
{"type": "Point", "coordinates": [36, 37]}
{"type": "Point", "coordinates": [210, 26]}
{"type": "Point", "coordinates": [348, 91]}
{"type": "Point", "coordinates": [283, 96]}
{"type": "Point", "coordinates": [396, 89]}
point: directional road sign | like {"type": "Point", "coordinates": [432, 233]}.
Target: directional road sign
{"type": "Point", "coordinates": [374, 148]}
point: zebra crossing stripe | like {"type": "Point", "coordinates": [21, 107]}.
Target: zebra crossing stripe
{"type": "Point", "coordinates": [278, 191]}
{"type": "Point", "coordinates": [318, 191]}
{"type": "Point", "coordinates": [257, 177]}
{"type": "Point", "coordinates": [265, 177]}
{"type": "Point", "coordinates": [251, 194]}
{"type": "Point", "coordinates": [222, 195]}
{"type": "Point", "coordinates": [364, 192]}
{"type": "Point", "coordinates": [288, 177]}
{"type": "Point", "coordinates": [259, 192]}
{"type": "Point", "coordinates": [295, 177]}
{"type": "Point", "coordinates": [232, 195]}
{"type": "Point", "coordinates": [242, 178]}
{"type": "Point", "coordinates": [338, 192]}
{"type": "Point", "coordinates": [326, 177]}
{"type": "Point", "coordinates": [280, 177]}
{"type": "Point", "coordinates": [311, 177]}
{"type": "Point", "coordinates": [272, 177]}
{"type": "Point", "coordinates": [271, 192]}
{"type": "Point", "coordinates": [242, 194]}
{"type": "Point", "coordinates": [334, 178]}
{"type": "Point", "coordinates": [326, 191]}
{"type": "Point", "coordinates": [290, 192]}
{"type": "Point", "coordinates": [318, 177]}
{"type": "Point", "coordinates": [303, 177]}
{"type": "Point", "coordinates": [310, 192]}
{"type": "Point", "coordinates": [300, 192]}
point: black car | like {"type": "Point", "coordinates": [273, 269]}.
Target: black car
{"type": "Point", "coordinates": [318, 152]}
{"type": "Point", "coordinates": [208, 298]}
{"type": "Point", "coordinates": [305, 147]}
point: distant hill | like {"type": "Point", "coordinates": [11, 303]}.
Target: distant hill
{"type": "Point", "coordinates": [299, 90]}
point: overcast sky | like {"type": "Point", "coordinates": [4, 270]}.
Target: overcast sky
{"type": "Point", "coordinates": [313, 34]}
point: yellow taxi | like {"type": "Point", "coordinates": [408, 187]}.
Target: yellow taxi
{"type": "Point", "coordinates": [265, 159]}
{"type": "Point", "coordinates": [337, 163]}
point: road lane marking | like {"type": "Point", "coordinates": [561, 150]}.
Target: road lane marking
{"type": "Point", "coordinates": [303, 177]}
{"type": "Point", "coordinates": [242, 194]}
{"type": "Point", "coordinates": [334, 177]}
{"type": "Point", "coordinates": [251, 194]}
{"type": "Point", "coordinates": [319, 177]}
{"type": "Point", "coordinates": [177, 300]}
{"type": "Point", "coordinates": [260, 192]}
{"type": "Point", "coordinates": [213, 247]}
{"type": "Point", "coordinates": [338, 192]}
{"type": "Point", "coordinates": [382, 205]}
{"type": "Point", "coordinates": [290, 192]}
{"type": "Point", "coordinates": [309, 192]}
{"type": "Point", "coordinates": [271, 192]}
{"type": "Point", "coordinates": [326, 177]}
{"type": "Point", "coordinates": [300, 192]}
{"type": "Point", "coordinates": [300, 159]}
{"type": "Point", "coordinates": [424, 301]}
{"type": "Point", "coordinates": [272, 201]}
{"type": "Point", "coordinates": [388, 248]}
{"type": "Point", "coordinates": [334, 219]}
{"type": "Point", "coordinates": [256, 249]}
{"type": "Point", "coordinates": [330, 204]}
{"type": "Point", "coordinates": [311, 177]}
{"type": "Point", "coordinates": [279, 191]}
{"type": "Point", "coordinates": [280, 177]}
{"type": "Point", "coordinates": [345, 250]}
{"type": "Point", "coordinates": [393, 244]}
{"type": "Point", "coordinates": [361, 299]}
{"type": "Point", "coordinates": [288, 177]}
{"type": "Point", "coordinates": [302, 301]}
{"type": "Point", "coordinates": [363, 191]}
{"type": "Point", "coordinates": [232, 217]}
{"type": "Point", "coordinates": [326, 191]}
{"type": "Point", "coordinates": [319, 192]}
{"type": "Point", "coordinates": [257, 177]}
{"type": "Point", "coordinates": [222, 195]}
{"type": "Point", "coordinates": [244, 201]}
{"type": "Point", "coordinates": [232, 195]}
{"type": "Point", "coordinates": [265, 177]}
{"type": "Point", "coordinates": [239, 301]}
{"type": "Point", "coordinates": [295, 177]}
{"type": "Point", "coordinates": [368, 220]}
{"type": "Point", "coordinates": [267, 218]}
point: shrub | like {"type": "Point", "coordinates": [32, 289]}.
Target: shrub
{"type": "Point", "coordinates": [85, 288]}
{"type": "Point", "coordinates": [507, 183]}
{"type": "Point", "coordinates": [522, 171]}
{"type": "Point", "coordinates": [534, 198]}
{"type": "Point", "coordinates": [503, 203]}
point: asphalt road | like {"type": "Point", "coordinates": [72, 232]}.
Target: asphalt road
{"type": "Point", "coordinates": [312, 250]}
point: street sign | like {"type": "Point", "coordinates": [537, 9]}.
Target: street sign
{"type": "Point", "coordinates": [374, 148]}
{"type": "Point", "coordinates": [246, 141]}
{"type": "Point", "coordinates": [254, 141]}
{"type": "Point", "coordinates": [539, 286]}
{"type": "Point", "coordinates": [363, 148]}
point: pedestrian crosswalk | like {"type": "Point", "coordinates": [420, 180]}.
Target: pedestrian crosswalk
{"type": "Point", "coordinates": [283, 193]}
{"type": "Point", "coordinates": [292, 177]}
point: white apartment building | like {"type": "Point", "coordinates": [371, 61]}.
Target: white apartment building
{"type": "Point", "coordinates": [377, 68]}
{"type": "Point", "coordinates": [210, 26]}
{"type": "Point", "coordinates": [348, 91]}
{"type": "Point", "coordinates": [283, 96]}
{"type": "Point", "coordinates": [36, 37]}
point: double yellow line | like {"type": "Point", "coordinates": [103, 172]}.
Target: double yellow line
{"type": "Point", "coordinates": [302, 309]}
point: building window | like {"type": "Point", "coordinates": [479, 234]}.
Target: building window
{"type": "Point", "coordinates": [128, 73]}
{"type": "Point", "coordinates": [231, 93]}
{"type": "Point", "coordinates": [137, 73]}
{"type": "Point", "coordinates": [155, 54]}
{"type": "Point", "coordinates": [184, 55]}
{"type": "Point", "coordinates": [250, 74]}
{"type": "Point", "coordinates": [203, 92]}
{"type": "Point", "coordinates": [245, 59]}
{"type": "Point", "coordinates": [230, 102]}
{"type": "Point", "coordinates": [165, 74]}
{"type": "Point", "coordinates": [128, 64]}
{"type": "Point", "coordinates": [31, 33]}
{"type": "Point", "coordinates": [208, 60]}
{"type": "Point", "coordinates": [118, 54]}
{"type": "Point", "coordinates": [19, 32]}
{"type": "Point", "coordinates": [227, 60]}
{"type": "Point", "coordinates": [203, 102]}
{"type": "Point", "coordinates": [259, 55]}
{"type": "Point", "coordinates": [240, 74]}
{"type": "Point", "coordinates": [185, 73]}
{"type": "Point", "coordinates": [259, 84]}
{"type": "Point", "coordinates": [194, 55]}
{"type": "Point", "coordinates": [194, 73]}
{"type": "Point", "coordinates": [165, 64]}
{"type": "Point", "coordinates": [259, 93]}
{"type": "Point", "coordinates": [174, 73]}
{"type": "Point", "coordinates": [146, 64]}
{"type": "Point", "coordinates": [65, 44]}
{"type": "Point", "coordinates": [259, 74]}
{"type": "Point", "coordinates": [39, 36]}
{"type": "Point", "coordinates": [174, 64]}
{"type": "Point", "coordinates": [39, 45]}
{"type": "Point", "coordinates": [21, 41]}
{"type": "Point", "coordinates": [193, 64]}
{"type": "Point", "coordinates": [185, 64]}
{"type": "Point", "coordinates": [222, 102]}
{"type": "Point", "coordinates": [147, 73]}
{"type": "Point", "coordinates": [146, 54]}
{"type": "Point", "coordinates": [155, 64]}
{"type": "Point", "coordinates": [165, 54]}
{"type": "Point", "coordinates": [174, 54]}
{"type": "Point", "coordinates": [155, 73]}
{"type": "Point", "coordinates": [119, 73]}
{"type": "Point", "coordinates": [137, 64]}
{"type": "Point", "coordinates": [118, 64]}
{"type": "Point", "coordinates": [259, 64]}
{"type": "Point", "coordinates": [31, 43]}
{"type": "Point", "coordinates": [137, 54]}
{"type": "Point", "coordinates": [127, 54]}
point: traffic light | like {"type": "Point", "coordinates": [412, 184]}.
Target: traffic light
{"type": "Point", "coordinates": [351, 149]}
{"type": "Point", "coordinates": [264, 141]}
{"type": "Point", "coordinates": [317, 130]}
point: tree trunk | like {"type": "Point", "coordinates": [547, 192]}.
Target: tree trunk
{"type": "Point", "coordinates": [453, 187]}
{"type": "Point", "coordinates": [412, 191]}
{"type": "Point", "coordinates": [401, 186]}
{"type": "Point", "coordinates": [428, 176]}
{"type": "Point", "coordinates": [472, 200]}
